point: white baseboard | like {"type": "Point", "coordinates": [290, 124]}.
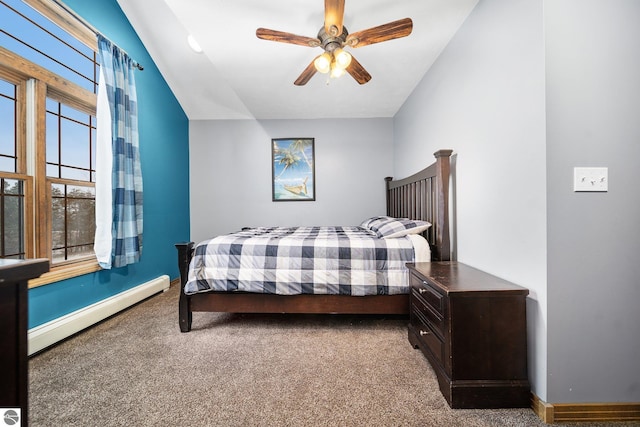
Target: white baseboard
{"type": "Point", "coordinates": [58, 329]}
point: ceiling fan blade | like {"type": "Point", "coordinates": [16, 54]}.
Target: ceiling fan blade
{"type": "Point", "coordinates": [381, 33]}
{"type": "Point", "coordinates": [358, 72]}
{"type": "Point", "coordinates": [333, 16]}
{"type": "Point", "coordinates": [282, 37]}
{"type": "Point", "coordinates": [306, 74]}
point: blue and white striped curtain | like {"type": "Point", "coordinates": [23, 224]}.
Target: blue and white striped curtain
{"type": "Point", "coordinates": [118, 240]}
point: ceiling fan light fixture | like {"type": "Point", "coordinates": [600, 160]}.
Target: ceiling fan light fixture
{"type": "Point", "coordinates": [342, 58]}
{"type": "Point", "coordinates": [323, 63]}
{"type": "Point", "coordinates": [336, 70]}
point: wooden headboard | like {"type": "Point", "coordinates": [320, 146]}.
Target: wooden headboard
{"type": "Point", "coordinates": [425, 196]}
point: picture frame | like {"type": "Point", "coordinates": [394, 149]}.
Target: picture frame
{"type": "Point", "coordinates": [293, 175]}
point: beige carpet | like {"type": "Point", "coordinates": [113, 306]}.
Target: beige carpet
{"type": "Point", "coordinates": [137, 369]}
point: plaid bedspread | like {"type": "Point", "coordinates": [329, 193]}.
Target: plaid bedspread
{"type": "Point", "coordinates": [302, 260]}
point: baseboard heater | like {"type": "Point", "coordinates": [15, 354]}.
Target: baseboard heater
{"type": "Point", "coordinates": [63, 327]}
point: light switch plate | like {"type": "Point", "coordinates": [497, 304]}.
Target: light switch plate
{"type": "Point", "coordinates": [590, 179]}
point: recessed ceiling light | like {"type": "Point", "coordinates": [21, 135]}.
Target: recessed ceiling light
{"type": "Point", "coordinates": [193, 44]}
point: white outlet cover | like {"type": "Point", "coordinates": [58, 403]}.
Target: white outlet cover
{"type": "Point", "coordinates": [590, 179]}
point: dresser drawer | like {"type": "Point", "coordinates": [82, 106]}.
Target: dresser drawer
{"type": "Point", "coordinates": [427, 337]}
{"type": "Point", "coordinates": [428, 293]}
{"type": "Point", "coordinates": [435, 319]}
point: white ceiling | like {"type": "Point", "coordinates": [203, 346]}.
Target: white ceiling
{"type": "Point", "coordinates": [239, 76]}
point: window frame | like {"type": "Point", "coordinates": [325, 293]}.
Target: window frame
{"type": "Point", "coordinates": [37, 83]}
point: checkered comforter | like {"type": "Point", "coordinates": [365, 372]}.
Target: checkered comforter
{"type": "Point", "coordinates": [302, 260]}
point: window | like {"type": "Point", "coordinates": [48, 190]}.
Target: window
{"type": "Point", "coordinates": [48, 84]}
{"type": "Point", "coordinates": [8, 108]}
{"type": "Point", "coordinates": [70, 160]}
{"type": "Point", "coordinates": [12, 218]}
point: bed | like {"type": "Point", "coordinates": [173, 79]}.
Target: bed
{"type": "Point", "coordinates": [422, 197]}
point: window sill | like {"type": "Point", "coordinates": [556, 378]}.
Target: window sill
{"type": "Point", "coordinates": [66, 272]}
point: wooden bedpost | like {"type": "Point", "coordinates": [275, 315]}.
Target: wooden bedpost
{"type": "Point", "coordinates": [185, 252]}
{"type": "Point", "coordinates": [387, 181]}
{"type": "Point", "coordinates": [442, 237]}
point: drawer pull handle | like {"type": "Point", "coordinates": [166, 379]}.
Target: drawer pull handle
{"type": "Point", "coordinates": [422, 291]}
{"type": "Point", "coordinates": [423, 333]}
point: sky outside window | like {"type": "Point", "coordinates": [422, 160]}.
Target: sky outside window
{"type": "Point", "coordinates": [32, 36]}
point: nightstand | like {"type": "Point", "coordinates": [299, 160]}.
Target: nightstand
{"type": "Point", "coordinates": [471, 326]}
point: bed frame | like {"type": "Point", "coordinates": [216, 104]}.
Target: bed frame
{"type": "Point", "coordinates": [423, 196]}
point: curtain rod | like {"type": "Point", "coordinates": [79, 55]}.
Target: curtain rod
{"type": "Point", "coordinates": [93, 29]}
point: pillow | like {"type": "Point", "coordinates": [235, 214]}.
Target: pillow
{"type": "Point", "coordinates": [374, 221]}
{"type": "Point", "coordinates": [399, 227]}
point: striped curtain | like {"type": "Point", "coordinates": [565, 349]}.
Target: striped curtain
{"type": "Point", "coordinates": [118, 240]}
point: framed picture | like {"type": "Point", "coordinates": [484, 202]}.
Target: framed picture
{"type": "Point", "coordinates": [293, 176]}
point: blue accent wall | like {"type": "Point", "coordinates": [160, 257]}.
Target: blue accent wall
{"type": "Point", "coordinates": [164, 154]}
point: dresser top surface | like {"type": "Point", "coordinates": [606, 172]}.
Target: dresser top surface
{"type": "Point", "coordinates": [16, 270]}
{"type": "Point", "coordinates": [454, 277]}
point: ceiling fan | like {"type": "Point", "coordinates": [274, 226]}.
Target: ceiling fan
{"type": "Point", "coordinates": [333, 37]}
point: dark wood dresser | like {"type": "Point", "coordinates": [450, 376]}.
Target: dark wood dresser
{"type": "Point", "coordinates": [14, 275]}
{"type": "Point", "coordinates": [472, 328]}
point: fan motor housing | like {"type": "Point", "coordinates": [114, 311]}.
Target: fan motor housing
{"type": "Point", "coordinates": [330, 43]}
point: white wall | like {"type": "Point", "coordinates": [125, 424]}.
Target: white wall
{"type": "Point", "coordinates": [593, 105]}
{"type": "Point", "coordinates": [230, 173]}
{"type": "Point", "coordinates": [484, 98]}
